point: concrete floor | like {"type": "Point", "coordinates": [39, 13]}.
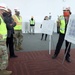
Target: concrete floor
{"type": "Point", "coordinates": [34, 43]}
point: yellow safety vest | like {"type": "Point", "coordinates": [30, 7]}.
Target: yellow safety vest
{"type": "Point", "coordinates": [19, 24]}
{"type": "Point", "coordinates": [3, 30]}
{"type": "Point", "coordinates": [32, 22]}
{"type": "Point", "coordinates": [62, 25]}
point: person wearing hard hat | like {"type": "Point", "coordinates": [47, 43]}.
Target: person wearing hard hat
{"type": "Point", "coordinates": [3, 49]}
{"type": "Point", "coordinates": [66, 12]}
{"type": "Point", "coordinates": [63, 26]}
{"type": "Point", "coordinates": [32, 25]}
{"type": "Point", "coordinates": [18, 37]}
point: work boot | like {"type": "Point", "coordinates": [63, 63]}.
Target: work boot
{"type": "Point", "coordinates": [54, 56]}
{"type": "Point", "coordinates": [45, 39]}
{"type": "Point", "coordinates": [20, 48]}
{"type": "Point", "coordinates": [5, 72]}
{"type": "Point", "coordinates": [16, 48]}
{"type": "Point", "coordinates": [41, 38]}
{"type": "Point", "coordinates": [68, 60]}
{"type": "Point", "coordinates": [13, 56]}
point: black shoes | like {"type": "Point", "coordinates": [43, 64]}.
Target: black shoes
{"type": "Point", "coordinates": [54, 56]}
{"type": "Point", "coordinates": [45, 39]}
{"type": "Point", "coordinates": [14, 56]}
{"type": "Point", "coordinates": [41, 38]}
{"type": "Point", "coordinates": [68, 60]}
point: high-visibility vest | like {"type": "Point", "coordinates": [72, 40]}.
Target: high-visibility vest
{"type": "Point", "coordinates": [3, 30]}
{"type": "Point", "coordinates": [18, 22]}
{"type": "Point", "coordinates": [32, 22]}
{"type": "Point", "coordinates": [62, 25]}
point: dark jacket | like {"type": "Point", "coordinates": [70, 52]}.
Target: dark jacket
{"type": "Point", "coordinates": [10, 24]}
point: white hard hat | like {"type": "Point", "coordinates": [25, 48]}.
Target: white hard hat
{"type": "Point", "coordinates": [3, 6]}
{"type": "Point", "coordinates": [17, 9]}
{"type": "Point", "coordinates": [32, 16]}
{"type": "Point", "coordinates": [66, 8]}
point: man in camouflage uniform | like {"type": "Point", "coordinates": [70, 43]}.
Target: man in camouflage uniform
{"type": "Point", "coordinates": [3, 49]}
{"type": "Point", "coordinates": [3, 57]}
{"type": "Point", "coordinates": [18, 37]}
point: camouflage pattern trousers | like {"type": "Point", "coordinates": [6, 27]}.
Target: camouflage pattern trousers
{"type": "Point", "coordinates": [18, 38]}
{"type": "Point", "coordinates": [3, 55]}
